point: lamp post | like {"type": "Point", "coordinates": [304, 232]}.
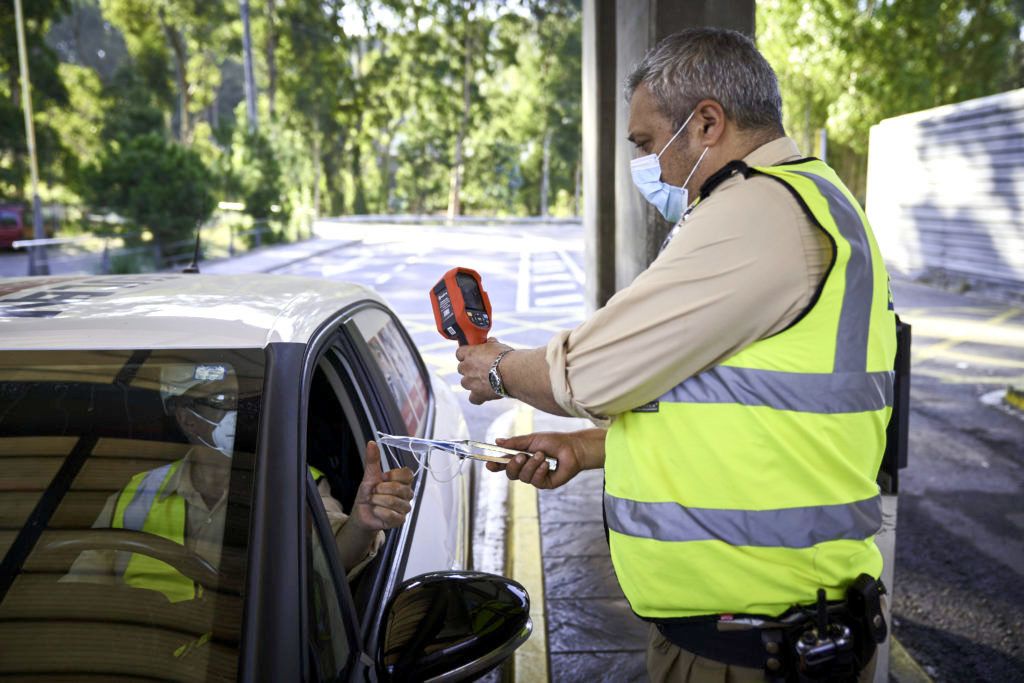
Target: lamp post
{"type": "Point", "coordinates": [37, 254]}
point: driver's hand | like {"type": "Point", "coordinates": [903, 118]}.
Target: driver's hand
{"type": "Point", "coordinates": [382, 501]}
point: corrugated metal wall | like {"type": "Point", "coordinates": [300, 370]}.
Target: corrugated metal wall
{"type": "Point", "coordinates": [945, 190]}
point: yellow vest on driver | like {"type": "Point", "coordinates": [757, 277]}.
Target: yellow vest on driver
{"type": "Point", "coordinates": [143, 506]}
{"type": "Point", "coordinates": [750, 485]}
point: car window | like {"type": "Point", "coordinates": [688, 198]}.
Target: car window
{"type": "Point", "coordinates": [331, 446]}
{"type": "Point", "coordinates": [328, 639]}
{"type": "Point", "coordinates": [125, 511]}
{"type": "Point", "coordinates": [397, 360]}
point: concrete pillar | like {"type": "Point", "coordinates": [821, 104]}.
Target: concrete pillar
{"type": "Point", "coordinates": [637, 229]}
{"type": "Point", "coordinates": [600, 93]}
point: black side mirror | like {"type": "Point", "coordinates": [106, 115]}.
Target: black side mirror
{"type": "Point", "coordinates": [452, 626]}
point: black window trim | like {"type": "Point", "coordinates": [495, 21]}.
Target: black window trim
{"type": "Point", "coordinates": [340, 335]}
{"type": "Point", "coordinates": [322, 527]}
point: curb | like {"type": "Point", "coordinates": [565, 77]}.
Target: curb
{"type": "Point", "coordinates": [902, 667]}
{"type": "Point", "coordinates": [523, 564]}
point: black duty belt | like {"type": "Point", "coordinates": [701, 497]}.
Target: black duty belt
{"type": "Point", "coordinates": [702, 638]}
{"type": "Point", "coordinates": [830, 641]}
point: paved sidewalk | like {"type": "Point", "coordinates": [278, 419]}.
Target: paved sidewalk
{"type": "Point", "coordinates": [592, 634]}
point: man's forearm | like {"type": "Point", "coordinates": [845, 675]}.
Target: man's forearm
{"type": "Point", "coordinates": [526, 377]}
{"type": "Point", "coordinates": [354, 542]}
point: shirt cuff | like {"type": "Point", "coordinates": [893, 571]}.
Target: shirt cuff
{"type": "Point", "coordinates": [558, 373]}
{"type": "Point", "coordinates": [378, 541]}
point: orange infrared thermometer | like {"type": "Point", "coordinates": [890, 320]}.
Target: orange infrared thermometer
{"type": "Point", "coordinates": [462, 309]}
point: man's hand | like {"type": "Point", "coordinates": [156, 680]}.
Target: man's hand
{"type": "Point", "coordinates": [574, 451]}
{"type": "Point", "coordinates": [382, 501]}
{"type": "Point", "coordinates": [475, 365]}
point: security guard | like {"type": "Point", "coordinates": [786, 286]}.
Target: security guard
{"type": "Point", "coordinates": [185, 501]}
{"type": "Point", "coordinates": [747, 380]}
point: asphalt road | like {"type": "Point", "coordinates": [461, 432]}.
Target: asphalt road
{"type": "Point", "coordinates": [959, 594]}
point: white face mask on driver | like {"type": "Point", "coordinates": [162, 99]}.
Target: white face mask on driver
{"type": "Point", "coordinates": [223, 433]}
{"type": "Point", "coordinates": [668, 199]}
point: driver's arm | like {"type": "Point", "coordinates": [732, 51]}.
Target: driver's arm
{"type": "Point", "coordinates": [354, 553]}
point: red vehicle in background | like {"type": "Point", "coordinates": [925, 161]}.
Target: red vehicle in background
{"type": "Point", "coordinates": [12, 224]}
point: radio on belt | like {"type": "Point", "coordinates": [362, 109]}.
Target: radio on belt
{"type": "Point", "coordinates": [462, 309]}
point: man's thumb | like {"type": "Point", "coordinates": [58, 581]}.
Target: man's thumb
{"type": "Point", "coordinates": [373, 457]}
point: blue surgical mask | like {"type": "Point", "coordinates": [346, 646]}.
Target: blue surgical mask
{"type": "Point", "coordinates": [669, 200]}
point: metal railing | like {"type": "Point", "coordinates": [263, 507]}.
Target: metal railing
{"type": "Point", "coordinates": [97, 254]}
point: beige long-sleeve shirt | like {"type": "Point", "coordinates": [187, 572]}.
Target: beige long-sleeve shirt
{"type": "Point", "coordinates": [743, 265]}
{"type": "Point", "coordinates": [204, 528]}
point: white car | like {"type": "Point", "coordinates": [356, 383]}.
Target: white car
{"type": "Point", "coordinates": [86, 434]}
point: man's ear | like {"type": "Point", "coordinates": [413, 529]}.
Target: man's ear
{"type": "Point", "coordinates": [710, 117]}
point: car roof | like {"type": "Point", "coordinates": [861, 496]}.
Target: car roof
{"type": "Point", "coordinates": [167, 311]}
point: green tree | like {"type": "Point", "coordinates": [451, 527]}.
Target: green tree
{"type": "Point", "coordinates": [156, 184]}
{"type": "Point", "coordinates": [257, 173]}
{"type": "Point", "coordinates": [845, 66]}
{"type": "Point", "coordinates": [49, 94]}
{"type": "Point", "coordinates": [194, 36]}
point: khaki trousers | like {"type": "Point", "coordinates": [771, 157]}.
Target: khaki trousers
{"type": "Point", "coordinates": [667, 663]}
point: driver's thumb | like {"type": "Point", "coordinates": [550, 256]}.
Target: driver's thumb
{"type": "Point", "coordinates": [373, 459]}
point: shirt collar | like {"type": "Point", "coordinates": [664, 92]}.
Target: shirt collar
{"type": "Point", "coordinates": [778, 151]}
{"type": "Point", "coordinates": [181, 483]}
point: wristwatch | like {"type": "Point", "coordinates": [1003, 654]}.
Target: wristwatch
{"type": "Point", "coordinates": [497, 386]}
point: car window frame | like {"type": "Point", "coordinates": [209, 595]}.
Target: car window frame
{"type": "Point", "coordinates": [346, 603]}
{"type": "Point", "coordinates": [342, 344]}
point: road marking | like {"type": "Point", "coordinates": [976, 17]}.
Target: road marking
{"type": "Point", "coordinates": [954, 332]}
{"type": "Point", "coordinates": [523, 283]}
{"type": "Point", "coordinates": [560, 300]}
{"type": "Point", "coordinates": [553, 277]}
{"type": "Point", "coordinates": [977, 359]}
{"type": "Point", "coordinates": [530, 662]}
{"type": "Point", "coordinates": [957, 377]}
{"type": "Point", "coordinates": [556, 287]}
{"type": "Point", "coordinates": [572, 267]}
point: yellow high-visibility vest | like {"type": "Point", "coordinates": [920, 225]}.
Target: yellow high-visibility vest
{"type": "Point", "coordinates": [752, 484]}
{"type": "Point", "coordinates": [142, 506]}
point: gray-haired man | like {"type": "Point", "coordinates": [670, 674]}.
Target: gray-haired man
{"type": "Point", "coordinates": [746, 376]}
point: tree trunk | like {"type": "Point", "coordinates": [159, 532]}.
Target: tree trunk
{"type": "Point", "coordinates": [270, 50]}
{"type": "Point", "coordinates": [455, 186]}
{"type": "Point", "coordinates": [316, 175]}
{"type": "Point", "coordinates": [180, 67]}
{"type": "Point", "coordinates": [359, 198]}
{"type": "Point", "coordinates": [545, 173]}
{"type": "Point", "coordinates": [333, 181]}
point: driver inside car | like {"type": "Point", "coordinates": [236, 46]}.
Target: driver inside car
{"type": "Point", "coordinates": [185, 501]}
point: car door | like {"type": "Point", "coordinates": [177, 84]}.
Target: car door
{"type": "Point", "coordinates": [440, 539]}
{"type": "Point", "coordinates": [363, 375]}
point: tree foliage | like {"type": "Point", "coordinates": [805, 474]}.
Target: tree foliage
{"type": "Point", "coordinates": [155, 183]}
{"type": "Point", "coordinates": [49, 94]}
{"type": "Point", "coordinates": [430, 106]}
{"type": "Point", "coordinates": [844, 66]}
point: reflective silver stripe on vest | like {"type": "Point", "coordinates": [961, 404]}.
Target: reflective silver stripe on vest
{"type": "Point", "coordinates": [136, 512]}
{"type": "Point", "coordinates": [800, 527]}
{"type": "Point", "coordinates": [826, 393]}
{"type": "Point", "coordinates": [855, 315]}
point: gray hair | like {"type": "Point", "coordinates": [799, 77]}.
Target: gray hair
{"type": "Point", "coordinates": [711, 63]}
